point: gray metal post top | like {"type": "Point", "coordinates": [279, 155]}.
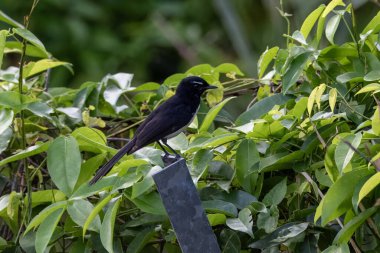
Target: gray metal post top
{"type": "Point", "coordinates": [186, 214]}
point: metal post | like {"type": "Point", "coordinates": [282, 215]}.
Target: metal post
{"type": "Point", "coordinates": [186, 214]}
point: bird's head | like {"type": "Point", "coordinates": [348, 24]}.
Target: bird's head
{"type": "Point", "coordinates": [193, 85]}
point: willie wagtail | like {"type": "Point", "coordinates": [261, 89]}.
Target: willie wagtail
{"type": "Point", "coordinates": [168, 120]}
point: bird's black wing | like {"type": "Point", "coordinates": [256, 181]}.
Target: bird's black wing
{"type": "Point", "coordinates": [170, 118]}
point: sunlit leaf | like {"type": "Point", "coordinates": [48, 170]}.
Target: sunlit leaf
{"type": "Point", "coordinates": [108, 225]}
{"type": "Point", "coordinates": [332, 98]}
{"type": "Point", "coordinates": [309, 22]}
{"type": "Point", "coordinates": [265, 60]}
{"type": "Point", "coordinates": [46, 230]}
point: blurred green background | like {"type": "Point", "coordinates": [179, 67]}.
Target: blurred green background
{"type": "Point", "coordinates": [156, 38]}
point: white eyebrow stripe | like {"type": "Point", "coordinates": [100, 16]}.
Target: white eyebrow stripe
{"type": "Point", "coordinates": [197, 82]}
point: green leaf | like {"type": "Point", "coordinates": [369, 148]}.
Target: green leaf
{"type": "Point", "coordinates": [373, 75]}
{"type": "Point", "coordinates": [280, 161]}
{"type": "Point", "coordinates": [309, 22]}
{"type": "Point", "coordinates": [350, 77]}
{"type": "Point", "coordinates": [88, 224]}
{"type": "Point", "coordinates": [243, 223]}
{"type": "Point", "coordinates": [46, 230]}
{"type": "Point", "coordinates": [216, 219]}
{"type": "Point", "coordinates": [344, 153]}
{"type": "Point", "coordinates": [6, 119]}
{"type": "Point", "coordinates": [268, 219]}
{"type": "Point", "coordinates": [230, 241]}
{"type": "Point", "coordinates": [261, 107]}
{"type": "Point", "coordinates": [376, 121]}
{"type": "Point", "coordinates": [219, 206]}
{"type": "Point", "coordinates": [31, 38]}
{"type": "Point", "coordinates": [3, 37]}
{"type": "Point", "coordinates": [332, 98]}
{"type": "Point", "coordinates": [64, 162]}
{"type": "Point", "coordinates": [41, 216]}
{"type": "Point", "coordinates": [331, 27]}
{"type": "Point", "coordinates": [201, 160]}
{"type": "Point", "coordinates": [80, 211]}
{"type": "Point", "coordinates": [45, 196]}
{"type": "Point", "coordinates": [5, 139]}
{"type": "Point", "coordinates": [343, 248]}
{"type": "Point", "coordinates": [338, 198]}
{"type": "Point", "coordinates": [212, 113]}
{"type": "Point", "coordinates": [6, 19]}
{"type": "Point", "coordinates": [108, 225]}
{"type": "Point", "coordinates": [150, 203]}
{"type": "Point", "coordinates": [246, 157]}
{"type": "Point", "coordinates": [276, 194]}
{"type": "Point", "coordinates": [369, 87]}
{"type": "Point", "coordinates": [140, 240]}
{"type": "Point", "coordinates": [294, 71]}
{"type": "Point", "coordinates": [30, 151]}
{"type": "Point", "coordinates": [229, 68]}
{"type": "Point", "coordinates": [265, 59]}
{"type": "Point", "coordinates": [280, 235]}
{"type": "Point", "coordinates": [322, 19]}
{"type": "Point", "coordinates": [368, 186]}
{"type": "Point", "coordinates": [372, 24]}
{"type": "Point", "coordinates": [15, 101]}
{"type": "Point", "coordinates": [352, 226]}
{"type": "Point", "coordinates": [34, 68]}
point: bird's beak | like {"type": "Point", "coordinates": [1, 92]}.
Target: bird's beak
{"type": "Point", "coordinates": [210, 87]}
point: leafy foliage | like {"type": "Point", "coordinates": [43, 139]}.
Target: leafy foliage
{"type": "Point", "coordinates": [298, 169]}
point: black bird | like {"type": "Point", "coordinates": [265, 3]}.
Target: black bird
{"type": "Point", "coordinates": [168, 120]}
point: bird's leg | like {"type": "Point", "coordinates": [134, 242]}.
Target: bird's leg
{"type": "Point", "coordinates": [163, 149]}
{"type": "Point", "coordinates": [165, 141]}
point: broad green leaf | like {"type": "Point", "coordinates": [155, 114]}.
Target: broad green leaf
{"type": "Point", "coordinates": [282, 234]}
{"type": "Point", "coordinates": [268, 219]}
{"type": "Point", "coordinates": [45, 196]}
{"type": "Point", "coordinates": [6, 19]}
{"type": "Point", "coordinates": [93, 215]}
{"type": "Point", "coordinates": [80, 211]}
{"type": "Point", "coordinates": [216, 219]}
{"type": "Point", "coordinates": [150, 203]}
{"type": "Point", "coordinates": [368, 186]}
{"type": "Point", "coordinates": [331, 27]}
{"type": "Point", "coordinates": [265, 60]}
{"type": "Point", "coordinates": [30, 151]}
{"type": "Point", "coordinates": [332, 98]}
{"type": "Point", "coordinates": [212, 113]}
{"type": "Point", "coordinates": [376, 121]}
{"type": "Point", "coordinates": [31, 50]}
{"type": "Point", "coordinates": [343, 248]}
{"type": "Point", "coordinates": [30, 37]}
{"type": "Point", "coordinates": [336, 52]}
{"type": "Point", "coordinates": [246, 157]}
{"type": "Point", "coordinates": [338, 198]}
{"type": "Point", "coordinates": [140, 240]}
{"type": "Point", "coordinates": [309, 22]}
{"type": "Point", "coordinates": [201, 161]}
{"type": "Point", "coordinates": [352, 226]}
{"type": "Point", "coordinates": [372, 24]}
{"type": "Point", "coordinates": [15, 101]}
{"type": "Point", "coordinates": [46, 230]}
{"type": "Point", "coordinates": [280, 161]}
{"type": "Point", "coordinates": [3, 37]}
{"type": "Point", "coordinates": [318, 94]}
{"type": "Point", "coordinates": [261, 107]}
{"type": "Point", "coordinates": [64, 162]}
{"type": "Point", "coordinates": [344, 153]}
{"type": "Point", "coordinates": [5, 139]}
{"type": "Point", "coordinates": [276, 194]}
{"type": "Point", "coordinates": [294, 71]}
{"type": "Point", "coordinates": [34, 68]}
{"type": "Point", "coordinates": [369, 87]}
{"type": "Point", "coordinates": [143, 186]}
{"type": "Point", "coordinates": [6, 119]}
{"type": "Point", "coordinates": [374, 75]}
{"type": "Point", "coordinates": [219, 206]}
{"type": "Point", "coordinates": [322, 19]}
{"type": "Point", "coordinates": [350, 77]}
{"type": "Point", "coordinates": [229, 68]}
{"type": "Point", "coordinates": [108, 225]}
{"type": "Point", "coordinates": [146, 219]}
{"type": "Point", "coordinates": [230, 241]}
{"type": "Point", "coordinates": [243, 223]}
{"type": "Point", "coordinates": [41, 216]}
{"type": "Point", "coordinates": [215, 141]}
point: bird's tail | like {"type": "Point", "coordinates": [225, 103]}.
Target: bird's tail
{"type": "Point", "coordinates": [108, 166]}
